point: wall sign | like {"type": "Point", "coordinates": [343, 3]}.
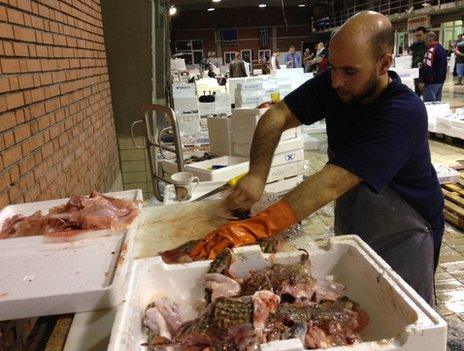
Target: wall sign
{"type": "Point", "coordinates": [422, 21]}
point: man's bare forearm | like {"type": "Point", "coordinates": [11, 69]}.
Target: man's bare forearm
{"type": "Point", "coordinates": [320, 189]}
{"type": "Point", "coordinates": [266, 137]}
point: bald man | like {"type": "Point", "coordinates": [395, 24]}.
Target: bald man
{"type": "Point", "coordinates": [379, 170]}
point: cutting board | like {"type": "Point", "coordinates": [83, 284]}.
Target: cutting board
{"type": "Point", "coordinates": [166, 227]}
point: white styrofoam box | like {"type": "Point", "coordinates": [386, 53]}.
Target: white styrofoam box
{"type": "Point", "coordinates": [287, 157]}
{"type": "Point", "coordinates": [310, 142]}
{"type": "Point", "coordinates": [284, 93]}
{"type": "Point", "coordinates": [250, 85]}
{"type": "Point", "coordinates": [286, 171]}
{"type": "Point", "coordinates": [287, 72]}
{"type": "Point", "coordinates": [407, 73]}
{"type": "Point", "coordinates": [180, 90]}
{"type": "Point", "coordinates": [223, 99]}
{"type": "Point", "coordinates": [400, 320]}
{"type": "Point", "coordinates": [185, 104]}
{"type": "Point", "coordinates": [234, 167]}
{"type": "Point", "coordinates": [206, 108]}
{"type": "Point", "coordinates": [200, 138]}
{"type": "Point", "coordinates": [245, 135]}
{"type": "Point", "coordinates": [39, 277]}
{"type": "Point", "coordinates": [409, 82]}
{"type": "Point", "coordinates": [315, 128]}
{"type": "Point", "coordinates": [250, 101]}
{"type": "Point", "coordinates": [432, 126]}
{"type": "Point", "coordinates": [446, 174]}
{"type": "Point", "coordinates": [437, 109]}
{"type": "Point", "coordinates": [220, 135]}
{"type": "Point", "coordinates": [458, 122]}
{"type": "Point", "coordinates": [403, 62]}
{"type": "Point", "coordinates": [456, 132]}
{"type": "Point", "coordinates": [243, 150]}
{"type": "Point", "coordinates": [206, 85]}
{"type": "Point", "coordinates": [221, 148]}
{"type": "Point", "coordinates": [189, 123]}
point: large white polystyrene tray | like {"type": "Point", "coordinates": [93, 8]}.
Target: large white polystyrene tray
{"type": "Point", "coordinates": [399, 318]}
{"type": "Point", "coordinates": [40, 278]}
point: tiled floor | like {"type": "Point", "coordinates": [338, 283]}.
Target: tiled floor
{"type": "Point", "coordinates": [450, 274]}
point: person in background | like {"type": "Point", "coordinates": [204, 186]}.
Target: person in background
{"type": "Point", "coordinates": [307, 57]}
{"type": "Point", "coordinates": [432, 73]}
{"type": "Point", "coordinates": [321, 58]}
{"type": "Point", "coordinates": [263, 61]}
{"type": "Point", "coordinates": [417, 50]}
{"type": "Point", "coordinates": [292, 59]}
{"type": "Point", "coordinates": [459, 52]}
{"type": "Point", "coordinates": [275, 60]}
{"type": "Point", "coordinates": [237, 67]}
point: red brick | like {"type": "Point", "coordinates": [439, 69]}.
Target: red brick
{"type": "Point", "coordinates": [3, 16]}
{"type": "Point", "coordinates": [14, 174]}
{"type": "Point", "coordinates": [20, 116]}
{"type": "Point", "coordinates": [38, 94]}
{"type": "Point", "coordinates": [26, 148]}
{"type": "Point", "coordinates": [15, 16]}
{"type": "Point", "coordinates": [26, 165]}
{"type": "Point", "coordinates": [8, 49]}
{"type": "Point", "coordinates": [8, 138]}
{"type": "Point", "coordinates": [24, 34]}
{"type": "Point", "coordinates": [24, 5]}
{"type": "Point", "coordinates": [4, 199]}
{"type": "Point", "coordinates": [4, 85]}
{"type": "Point", "coordinates": [10, 65]}
{"type": "Point", "coordinates": [4, 181]}
{"type": "Point", "coordinates": [14, 100]}
{"type": "Point", "coordinates": [3, 104]}
{"type": "Point", "coordinates": [47, 150]}
{"type": "Point", "coordinates": [6, 31]}
{"type": "Point", "coordinates": [20, 49]}
{"type": "Point", "coordinates": [23, 66]}
{"type": "Point", "coordinates": [33, 65]}
{"type": "Point", "coordinates": [14, 83]}
{"type": "Point", "coordinates": [44, 122]}
{"type": "Point", "coordinates": [28, 20]}
{"type": "Point", "coordinates": [11, 155]}
{"type": "Point", "coordinates": [26, 81]}
{"type": "Point", "coordinates": [22, 132]}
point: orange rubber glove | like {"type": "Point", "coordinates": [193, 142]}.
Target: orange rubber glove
{"type": "Point", "coordinates": [264, 224]}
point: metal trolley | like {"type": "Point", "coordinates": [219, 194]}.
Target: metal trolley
{"type": "Point", "coordinates": [153, 142]}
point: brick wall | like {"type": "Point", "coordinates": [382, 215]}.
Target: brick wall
{"type": "Point", "coordinates": [57, 134]}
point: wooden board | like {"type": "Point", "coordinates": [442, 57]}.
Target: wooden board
{"type": "Point", "coordinates": [454, 204]}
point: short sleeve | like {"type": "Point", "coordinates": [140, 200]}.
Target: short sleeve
{"type": "Point", "coordinates": [308, 102]}
{"type": "Point", "coordinates": [377, 154]}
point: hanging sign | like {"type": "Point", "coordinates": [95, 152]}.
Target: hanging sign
{"type": "Point", "coordinates": [422, 21]}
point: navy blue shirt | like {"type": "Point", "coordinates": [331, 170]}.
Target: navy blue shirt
{"type": "Point", "coordinates": [384, 142]}
{"type": "Point", "coordinates": [437, 73]}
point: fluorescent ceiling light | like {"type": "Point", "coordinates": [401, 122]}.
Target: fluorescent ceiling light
{"type": "Point", "coordinates": [301, 4]}
{"type": "Point", "coordinates": [216, 0]}
{"type": "Point", "coordinates": [172, 10]}
{"type": "Point", "coordinates": [209, 9]}
{"type": "Point", "coordinates": [262, 5]}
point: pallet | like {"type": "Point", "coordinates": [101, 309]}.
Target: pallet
{"type": "Point", "coordinates": [454, 204]}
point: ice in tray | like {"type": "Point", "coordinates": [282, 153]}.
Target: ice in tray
{"type": "Point", "coordinates": [399, 318]}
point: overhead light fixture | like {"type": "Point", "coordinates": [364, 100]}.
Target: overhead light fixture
{"type": "Point", "coordinates": [217, 0]}
{"type": "Point", "coordinates": [301, 4]}
{"type": "Point", "coordinates": [172, 10]}
{"type": "Point", "coordinates": [209, 9]}
{"type": "Point", "coordinates": [262, 4]}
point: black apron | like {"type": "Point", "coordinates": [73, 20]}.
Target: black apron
{"type": "Point", "coordinates": [394, 230]}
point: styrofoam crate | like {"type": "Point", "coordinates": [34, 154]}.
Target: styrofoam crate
{"type": "Point", "coordinates": [189, 123]}
{"type": "Point", "coordinates": [287, 72]}
{"type": "Point", "coordinates": [310, 142]}
{"type": "Point", "coordinates": [206, 108]}
{"type": "Point", "coordinates": [249, 85]}
{"type": "Point", "coordinates": [286, 171]}
{"type": "Point", "coordinates": [185, 104]}
{"type": "Point", "coordinates": [183, 90]}
{"type": "Point", "coordinates": [287, 157]}
{"type": "Point", "coordinates": [407, 73]}
{"type": "Point", "coordinates": [285, 146]}
{"type": "Point", "coordinates": [234, 167]}
{"type": "Point", "coordinates": [41, 278]}
{"type": "Point", "coordinates": [400, 320]}
{"type": "Point", "coordinates": [245, 135]}
{"type": "Point", "coordinates": [221, 148]}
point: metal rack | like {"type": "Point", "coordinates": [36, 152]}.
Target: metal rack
{"type": "Point", "coordinates": [153, 141]}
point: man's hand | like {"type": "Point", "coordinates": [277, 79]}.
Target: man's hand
{"type": "Point", "coordinates": [421, 86]}
{"type": "Point", "coordinates": [264, 224]}
{"type": "Point", "coordinates": [247, 192]}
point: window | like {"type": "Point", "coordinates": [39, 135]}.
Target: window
{"type": "Point", "coordinates": [191, 50]}
{"type": "Point", "coordinates": [401, 43]}
{"type": "Point", "coordinates": [449, 32]}
{"type": "Point", "coordinates": [265, 53]}
{"type": "Point", "coordinates": [229, 57]}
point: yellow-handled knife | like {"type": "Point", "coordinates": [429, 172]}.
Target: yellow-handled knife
{"type": "Point", "coordinates": [230, 184]}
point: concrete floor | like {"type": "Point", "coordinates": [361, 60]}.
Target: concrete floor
{"type": "Point", "coordinates": [450, 273]}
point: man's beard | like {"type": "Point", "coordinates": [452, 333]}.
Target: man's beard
{"type": "Point", "coordinates": [369, 89]}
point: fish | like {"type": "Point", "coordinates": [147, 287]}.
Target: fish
{"type": "Point", "coordinates": [79, 215]}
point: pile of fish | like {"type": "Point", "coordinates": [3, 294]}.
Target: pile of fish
{"type": "Point", "coordinates": [278, 303]}
{"type": "Point", "coordinates": [79, 215]}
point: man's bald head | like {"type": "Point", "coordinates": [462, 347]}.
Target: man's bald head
{"type": "Point", "coordinates": [371, 31]}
